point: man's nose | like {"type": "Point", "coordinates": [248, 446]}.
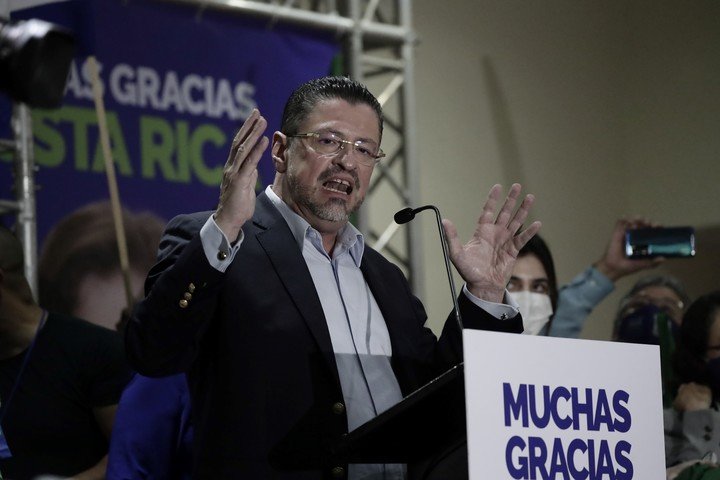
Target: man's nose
{"type": "Point", "coordinates": [345, 158]}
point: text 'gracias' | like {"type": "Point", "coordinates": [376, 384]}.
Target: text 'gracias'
{"type": "Point", "coordinates": [570, 409]}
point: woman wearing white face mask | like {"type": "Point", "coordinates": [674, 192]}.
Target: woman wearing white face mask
{"type": "Point", "coordinates": [534, 287]}
{"type": "Point", "coordinates": [533, 282]}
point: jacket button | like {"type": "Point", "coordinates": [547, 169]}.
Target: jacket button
{"type": "Point", "coordinates": [222, 255]}
{"type": "Point", "coordinates": [183, 303]}
{"type": "Point", "coordinates": [187, 296]}
{"type": "Point", "coordinates": [191, 288]}
{"type": "Point", "coordinates": [708, 428]}
{"type": "Point", "coordinates": [707, 437]}
{"type": "Point", "coordinates": [338, 408]}
{"type": "Point", "coordinates": [337, 472]}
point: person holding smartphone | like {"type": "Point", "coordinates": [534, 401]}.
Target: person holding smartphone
{"type": "Point", "coordinates": [562, 313]}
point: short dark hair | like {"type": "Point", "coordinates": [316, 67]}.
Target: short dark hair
{"type": "Point", "coordinates": [309, 94]}
{"type": "Point", "coordinates": [537, 246]}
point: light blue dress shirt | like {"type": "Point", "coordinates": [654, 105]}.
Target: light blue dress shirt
{"type": "Point", "coordinates": [358, 331]}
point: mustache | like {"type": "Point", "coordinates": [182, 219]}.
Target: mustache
{"type": "Point", "coordinates": [334, 170]}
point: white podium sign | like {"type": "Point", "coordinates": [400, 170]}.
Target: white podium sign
{"type": "Point", "coordinates": [560, 409]}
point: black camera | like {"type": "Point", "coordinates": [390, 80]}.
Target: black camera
{"type": "Point", "coordinates": [35, 59]}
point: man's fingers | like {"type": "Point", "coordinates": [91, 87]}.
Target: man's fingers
{"type": "Point", "coordinates": [245, 128]}
{"type": "Point", "coordinates": [503, 218]}
{"type": "Point", "coordinates": [245, 140]}
{"type": "Point", "coordinates": [250, 142]}
{"type": "Point", "coordinates": [451, 235]}
{"type": "Point", "coordinates": [523, 237]}
{"type": "Point", "coordinates": [521, 214]}
{"type": "Point", "coordinates": [246, 177]}
{"type": "Point", "coordinates": [254, 156]}
{"type": "Point", "coordinates": [488, 211]}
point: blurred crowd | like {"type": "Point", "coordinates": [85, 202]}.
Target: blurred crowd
{"type": "Point", "coordinates": [71, 407]}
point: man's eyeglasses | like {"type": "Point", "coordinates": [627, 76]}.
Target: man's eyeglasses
{"type": "Point", "coordinates": [328, 144]}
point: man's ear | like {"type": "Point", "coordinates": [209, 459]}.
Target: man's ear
{"type": "Point", "coordinates": [279, 152]}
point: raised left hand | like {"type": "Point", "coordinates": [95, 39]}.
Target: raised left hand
{"type": "Point", "coordinates": [486, 261]}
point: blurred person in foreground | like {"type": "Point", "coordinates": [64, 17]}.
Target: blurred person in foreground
{"type": "Point", "coordinates": [79, 270]}
{"type": "Point", "coordinates": [284, 318]}
{"type": "Point", "coordinates": [60, 381]}
{"type": "Point", "coordinates": [80, 275]}
{"type": "Point", "coordinates": [692, 424]}
{"type": "Point", "coordinates": [152, 435]}
{"type": "Point", "coordinates": [651, 313]}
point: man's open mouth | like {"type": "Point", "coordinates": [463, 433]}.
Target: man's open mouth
{"type": "Point", "coordinates": [339, 186]}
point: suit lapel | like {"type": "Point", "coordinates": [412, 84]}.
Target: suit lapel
{"type": "Point", "coordinates": [279, 245]}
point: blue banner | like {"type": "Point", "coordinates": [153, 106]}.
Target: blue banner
{"type": "Point", "coordinates": [179, 80]}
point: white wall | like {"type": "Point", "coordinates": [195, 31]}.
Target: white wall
{"type": "Point", "coordinates": [600, 109]}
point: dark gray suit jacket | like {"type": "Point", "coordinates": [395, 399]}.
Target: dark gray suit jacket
{"type": "Point", "coordinates": [256, 347]}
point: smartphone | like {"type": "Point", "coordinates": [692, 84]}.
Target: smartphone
{"type": "Point", "coordinates": [660, 242]}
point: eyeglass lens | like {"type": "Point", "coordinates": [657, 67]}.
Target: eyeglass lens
{"type": "Point", "coordinates": [329, 143]}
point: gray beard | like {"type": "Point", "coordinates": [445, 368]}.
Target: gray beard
{"type": "Point", "coordinates": [333, 210]}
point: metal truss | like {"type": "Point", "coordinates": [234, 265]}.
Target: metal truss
{"type": "Point", "coordinates": [378, 42]}
{"type": "Point", "coordinates": [24, 187]}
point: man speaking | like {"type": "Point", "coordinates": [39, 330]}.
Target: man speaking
{"type": "Point", "coordinates": [280, 314]}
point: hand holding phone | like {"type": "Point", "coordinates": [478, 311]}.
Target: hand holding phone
{"type": "Point", "coordinates": [653, 242]}
{"type": "Point", "coordinates": [614, 264]}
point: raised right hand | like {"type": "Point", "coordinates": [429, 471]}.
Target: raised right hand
{"type": "Point", "coordinates": [237, 190]}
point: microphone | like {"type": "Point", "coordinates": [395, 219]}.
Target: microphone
{"type": "Point", "coordinates": [407, 214]}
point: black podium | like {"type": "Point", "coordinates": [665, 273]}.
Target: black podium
{"type": "Point", "coordinates": [426, 430]}
{"type": "Point", "coordinates": [426, 421]}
